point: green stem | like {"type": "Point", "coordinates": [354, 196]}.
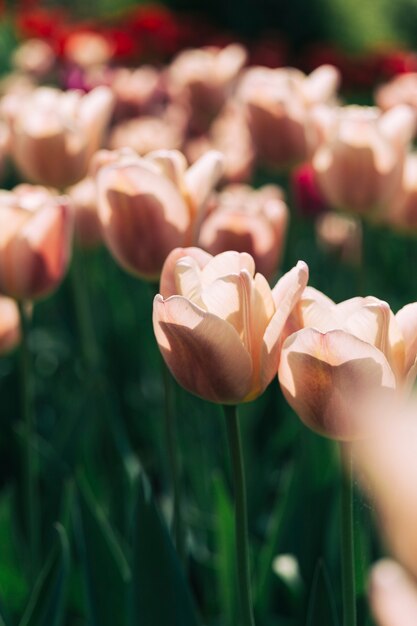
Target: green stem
{"type": "Point", "coordinates": [31, 461]}
{"type": "Point", "coordinates": [347, 546]}
{"type": "Point", "coordinates": [170, 431]}
{"type": "Point", "coordinates": [241, 524]}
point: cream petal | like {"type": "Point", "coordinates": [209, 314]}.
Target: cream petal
{"type": "Point", "coordinates": [331, 378]}
{"type": "Point", "coordinates": [393, 595]}
{"type": "Point", "coordinates": [398, 124]}
{"type": "Point", "coordinates": [172, 164]}
{"type": "Point", "coordinates": [226, 263]}
{"type": "Point", "coordinates": [286, 294]}
{"type": "Point", "coordinates": [188, 280]}
{"type": "Point", "coordinates": [321, 84]}
{"type": "Point", "coordinates": [406, 319]}
{"type": "Point", "coordinates": [168, 286]}
{"type": "Point", "coordinates": [201, 178]}
{"type": "Point", "coordinates": [203, 352]}
{"type": "Point", "coordinates": [371, 323]}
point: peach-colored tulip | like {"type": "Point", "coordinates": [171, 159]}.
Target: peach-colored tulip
{"type": "Point", "coordinates": [148, 206]}
{"type": "Point", "coordinates": [279, 103]}
{"type": "Point", "coordinates": [393, 595]}
{"type": "Point", "coordinates": [9, 325]}
{"type": "Point", "coordinates": [34, 57]}
{"type": "Point", "coordinates": [340, 235]}
{"type": "Point", "coordinates": [360, 165]}
{"type": "Point", "coordinates": [402, 213]}
{"type": "Point", "coordinates": [87, 49]}
{"type": "Point", "coordinates": [35, 241]}
{"type": "Point", "coordinates": [229, 134]}
{"type": "Point", "coordinates": [344, 356]}
{"type": "Point", "coordinates": [402, 89]}
{"type": "Point", "coordinates": [218, 324]}
{"type": "Point", "coordinates": [203, 79]}
{"type": "Point", "coordinates": [54, 134]}
{"type": "Point", "coordinates": [87, 227]}
{"type": "Point", "coordinates": [248, 220]}
{"type": "Point", "coordinates": [136, 91]}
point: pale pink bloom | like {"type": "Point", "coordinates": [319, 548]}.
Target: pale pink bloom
{"type": "Point", "coordinates": [248, 220]}
{"type": "Point", "coordinates": [279, 105]}
{"type": "Point", "coordinates": [88, 49]}
{"type": "Point", "coordinates": [34, 57]}
{"type": "Point", "coordinates": [218, 324]}
{"type": "Point", "coordinates": [402, 213]}
{"type": "Point", "coordinates": [54, 133]}
{"type": "Point", "coordinates": [147, 133]}
{"type": "Point", "coordinates": [346, 357]}
{"type": "Point", "coordinates": [402, 89]}
{"type": "Point", "coordinates": [360, 164]}
{"type": "Point", "coordinates": [136, 91]}
{"type": "Point", "coordinates": [229, 133]}
{"type": "Point", "coordinates": [87, 227]}
{"type": "Point", "coordinates": [9, 325]}
{"type": "Point", "coordinates": [393, 595]}
{"type": "Point", "coordinates": [35, 241]}
{"type": "Point", "coordinates": [203, 78]}
{"type": "Point", "coordinates": [149, 206]}
{"type": "Point", "coordinates": [340, 235]}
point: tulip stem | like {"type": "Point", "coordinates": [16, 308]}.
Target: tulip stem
{"type": "Point", "coordinates": [170, 430]}
{"type": "Point", "coordinates": [241, 523]}
{"type": "Point", "coordinates": [347, 547]}
{"type": "Point", "coordinates": [31, 462]}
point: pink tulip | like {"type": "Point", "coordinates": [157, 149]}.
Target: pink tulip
{"type": "Point", "coordinates": [34, 57]}
{"type": "Point", "coordinates": [360, 164]}
{"type": "Point", "coordinates": [279, 105]}
{"type": "Point", "coordinates": [87, 227]}
{"type": "Point", "coordinates": [402, 212]}
{"type": "Point", "coordinates": [340, 235]}
{"type": "Point", "coordinates": [148, 206]}
{"type": "Point", "coordinates": [346, 357]}
{"type": "Point", "coordinates": [218, 324]}
{"type": "Point", "coordinates": [35, 241]}
{"type": "Point", "coordinates": [54, 134]}
{"type": "Point", "coordinates": [248, 220]}
{"type": "Point", "coordinates": [9, 325]}
{"type": "Point", "coordinates": [402, 89]}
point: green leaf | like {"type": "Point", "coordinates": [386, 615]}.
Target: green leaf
{"type": "Point", "coordinates": [159, 593]}
{"type": "Point", "coordinates": [322, 604]}
{"type": "Point", "coordinates": [106, 572]}
{"type": "Point", "coordinates": [13, 585]}
{"type": "Point", "coordinates": [225, 551]}
{"type": "Point", "coordinates": [48, 600]}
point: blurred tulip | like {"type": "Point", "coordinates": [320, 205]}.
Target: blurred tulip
{"type": "Point", "coordinates": [147, 133]}
{"type": "Point", "coordinates": [34, 57]}
{"type": "Point", "coordinates": [309, 201]}
{"type": "Point", "coordinates": [148, 206]}
{"type": "Point", "coordinates": [9, 325]}
{"type": "Point", "coordinates": [402, 213]}
{"type": "Point", "coordinates": [218, 324]}
{"type": "Point", "coordinates": [340, 235]}
{"type": "Point", "coordinates": [136, 91]}
{"type": "Point", "coordinates": [203, 78]}
{"type": "Point", "coordinates": [35, 241]}
{"type": "Point", "coordinates": [87, 48]}
{"type": "Point", "coordinates": [54, 134]}
{"type": "Point", "coordinates": [229, 133]}
{"type": "Point", "coordinates": [360, 165]}
{"type": "Point", "coordinates": [401, 89]}
{"type": "Point", "coordinates": [344, 358]}
{"type": "Point", "coordinates": [393, 595]}
{"type": "Point", "coordinates": [279, 104]}
{"type": "Point", "coordinates": [248, 220]}
{"type": "Point", "coordinates": [87, 228]}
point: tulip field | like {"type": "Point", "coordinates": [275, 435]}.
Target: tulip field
{"type": "Point", "coordinates": [208, 325]}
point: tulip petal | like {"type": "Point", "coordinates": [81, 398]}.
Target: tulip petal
{"type": "Point", "coordinates": [203, 352]}
{"type": "Point", "coordinates": [406, 319]}
{"type": "Point", "coordinates": [393, 595]}
{"type": "Point", "coordinates": [286, 294]}
{"type": "Point", "coordinates": [227, 263]}
{"type": "Point", "coordinates": [202, 176]}
{"type": "Point", "coordinates": [330, 378]}
{"type": "Point", "coordinates": [172, 164]}
{"type": "Point", "coordinates": [168, 284]}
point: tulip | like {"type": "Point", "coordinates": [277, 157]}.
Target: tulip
{"type": "Point", "coordinates": [279, 104]}
{"type": "Point", "coordinates": [360, 165]}
{"type": "Point", "coordinates": [137, 91]}
{"type": "Point", "coordinates": [35, 241]}
{"type": "Point", "coordinates": [87, 228]}
{"type": "Point", "coordinates": [88, 49]}
{"type": "Point", "coordinates": [203, 78]}
{"type": "Point", "coordinates": [34, 57]}
{"type": "Point", "coordinates": [248, 220]}
{"type": "Point", "coordinates": [402, 89]}
{"type": "Point", "coordinates": [340, 235]}
{"type": "Point", "coordinates": [343, 358]}
{"type": "Point", "coordinates": [402, 213]}
{"type": "Point", "coordinates": [392, 595]}
{"type": "Point", "coordinates": [148, 206]}
{"type": "Point", "coordinates": [9, 325]}
{"type": "Point", "coordinates": [218, 324]}
{"type": "Point", "coordinates": [54, 134]}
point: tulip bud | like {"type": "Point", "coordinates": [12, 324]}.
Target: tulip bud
{"type": "Point", "coordinates": [35, 241]}
{"type": "Point", "coordinates": [218, 324]}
